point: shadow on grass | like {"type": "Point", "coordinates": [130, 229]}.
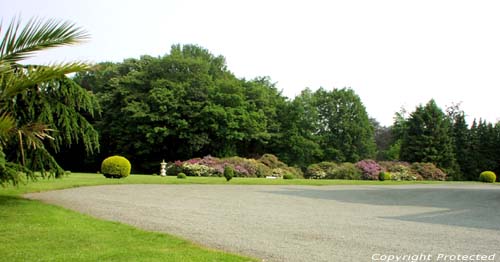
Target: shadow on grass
{"type": "Point", "coordinates": [472, 207]}
{"type": "Point", "coordinates": [6, 200]}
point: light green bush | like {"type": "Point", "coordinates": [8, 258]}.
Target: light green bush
{"type": "Point", "coordinates": [181, 176]}
{"type": "Point", "coordinates": [488, 177]}
{"type": "Point", "coordinates": [115, 167]}
{"type": "Point", "coordinates": [384, 176]}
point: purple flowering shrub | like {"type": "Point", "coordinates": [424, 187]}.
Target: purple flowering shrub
{"type": "Point", "coordinates": [369, 169]}
{"type": "Point", "coordinates": [267, 165]}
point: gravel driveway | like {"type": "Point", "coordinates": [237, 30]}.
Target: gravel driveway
{"type": "Point", "coordinates": [307, 223]}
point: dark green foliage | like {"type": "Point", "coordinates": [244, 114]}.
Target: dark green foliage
{"type": "Point", "coordinates": [462, 145]}
{"type": "Point", "coordinates": [384, 139]}
{"type": "Point", "coordinates": [228, 173]}
{"type": "Point", "coordinates": [288, 176]}
{"type": "Point", "coordinates": [384, 176]}
{"type": "Point", "coordinates": [488, 177]}
{"type": "Point", "coordinates": [427, 138]}
{"type": "Point", "coordinates": [115, 167]}
{"type": "Point", "coordinates": [428, 171]}
{"type": "Point", "coordinates": [180, 105]}
{"type": "Point", "coordinates": [181, 176]}
{"type": "Point", "coordinates": [344, 131]}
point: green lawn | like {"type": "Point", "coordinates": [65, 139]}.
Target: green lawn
{"type": "Point", "coordinates": [33, 231]}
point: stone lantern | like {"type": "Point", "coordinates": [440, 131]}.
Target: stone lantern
{"type": "Point", "coordinates": [163, 169]}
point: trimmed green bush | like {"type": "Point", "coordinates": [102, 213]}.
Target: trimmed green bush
{"type": "Point", "coordinates": [181, 176]}
{"type": "Point", "coordinates": [115, 167]}
{"type": "Point", "coordinates": [487, 177]}
{"type": "Point", "coordinates": [287, 176]}
{"type": "Point", "coordinates": [384, 176]}
{"type": "Point", "coordinates": [344, 171]}
{"type": "Point", "coordinates": [228, 173]}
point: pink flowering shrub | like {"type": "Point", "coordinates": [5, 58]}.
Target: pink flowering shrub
{"type": "Point", "coordinates": [213, 166]}
{"type": "Point", "coordinates": [369, 169]}
{"type": "Point", "coordinates": [429, 171]}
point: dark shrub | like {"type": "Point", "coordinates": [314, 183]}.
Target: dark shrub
{"type": "Point", "coordinates": [369, 169]}
{"type": "Point", "coordinates": [344, 171]}
{"type": "Point", "coordinates": [384, 176]}
{"type": "Point", "coordinates": [115, 167]}
{"type": "Point", "coordinates": [315, 171]}
{"type": "Point", "coordinates": [287, 176]}
{"type": "Point", "coordinates": [271, 161]}
{"type": "Point", "coordinates": [181, 176]}
{"type": "Point", "coordinates": [488, 177]}
{"type": "Point", "coordinates": [428, 171]}
{"type": "Point", "coordinates": [321, 170]}
{"type": "Point", "coordinates": [228, 173]}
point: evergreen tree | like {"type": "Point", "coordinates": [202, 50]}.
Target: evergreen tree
{"type": "Point", "coordinates": [40, 108]}
{"type": "Point", "coordinates": [427, 138]}
{"type": "Point", "coordinates": [461, 145]}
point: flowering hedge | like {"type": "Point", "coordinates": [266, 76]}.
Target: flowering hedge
{"type": "Point", "coordinates": [370, 170]}
{"type": "Point", "coordinates": [242, 167]}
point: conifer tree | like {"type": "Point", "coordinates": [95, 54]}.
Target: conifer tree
{"type": "Point", "coordinates": [427, 138]}
{"type": "Point", "coordinates": [40, 107]}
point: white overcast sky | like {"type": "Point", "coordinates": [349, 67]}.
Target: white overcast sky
{"type": "Point", "coordinates": [392, 53]}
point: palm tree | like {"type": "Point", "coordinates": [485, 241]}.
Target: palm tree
{"type": "Point", "coordinates": [40, 106]}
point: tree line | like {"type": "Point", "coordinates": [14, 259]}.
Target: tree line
{"type": "Point", "coordinates": [188, 104]}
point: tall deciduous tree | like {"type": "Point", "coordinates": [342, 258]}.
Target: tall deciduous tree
{"type": "Point", "coordinates": [182, 105]}
{"type": "Point", "coordinates": [40, 107]}
{"type": "Point", "coordinates": [344, 128]}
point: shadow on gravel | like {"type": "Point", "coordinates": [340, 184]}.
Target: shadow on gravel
{"type": "Point", "coordinates": [474, 208]}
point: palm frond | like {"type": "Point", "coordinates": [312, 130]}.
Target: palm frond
{"type": "Point", "coordinates": [20, 43]}
{"type": "Point", "coordinates": [19, 80]}
{"type": "Point", "coordinates": [7, 124]}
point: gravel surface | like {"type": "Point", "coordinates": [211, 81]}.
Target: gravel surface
{"type": "Point", "coordinates": [306, 223]}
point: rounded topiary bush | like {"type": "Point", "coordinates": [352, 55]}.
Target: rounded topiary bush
{"type": "Point", "coordinates": [115, 167]}
{"type": "Point", "coordinates": [287, 176]}
{"type": "Point", "coordinates": [382, 176]}
{"type": "Point", "coordinates": [488, 177]}
{"type": "Point", "coordinates": [181, 176]}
